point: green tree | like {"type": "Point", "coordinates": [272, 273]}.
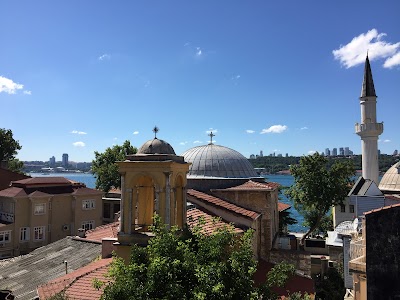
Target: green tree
{"type": "Point", "coordinates": [8, 149]}
{"type": "Point", "coordinates": [191, 265]}
{"type": "Point", "coordinates": [317, 187]}
{"type": "Point", "coordinates": [106, 170]}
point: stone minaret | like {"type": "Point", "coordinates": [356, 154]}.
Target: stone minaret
{"type": "Point", "coordinates": [369, 130]}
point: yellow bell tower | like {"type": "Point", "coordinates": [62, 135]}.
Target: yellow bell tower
{"type": "Point", "coordinates": [152, 181]}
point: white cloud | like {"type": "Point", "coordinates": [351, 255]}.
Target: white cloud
{"type": "Point", "coordinates": [186, 44]}
{"type": "Point", "coordinates": [274, 129]}
{"type": "Point", "coordinates": [392, 61]}
{"type": "Point", "coordinates": [79, 144]}
{"type": "Point", "coordinates": [197, 142]}
{"type": "Point", "coordinates": [78, 132]}
{"type": "Point", "coordinates": [304, 128]}
{"type": "Point", "coordinates": [250, 131]}
{"type": "Point", "coordinates": [26, 92]}
{"type": "Point", "coordinates": [213, 131]}
{"type": "Point", "coordinates": [354, 53]}
{"type": "Point", "coordinates": [198, 51]}
{"type": "Point", "coordinates": [8, 86]}
{"type": "Point", "coordinates": [311, 152]}
{"type": "Point", "coordinates": [387, 141]}
{"type": "Point", "coordinates": [183, 143]}
{"type": "Point", "coordinates": [136, 132]}
{"type": "Point", "coordinates": [105, 56]}
{"type": "Point", "coordinates": [115, 138]}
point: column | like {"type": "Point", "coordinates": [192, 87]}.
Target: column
{"type": "Point", "coordinates": [121, 212]}
{"type": "Point", "coordinates": [167, 199]}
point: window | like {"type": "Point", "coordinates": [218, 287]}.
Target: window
{"type": "Point", "coordinates": [39, 233]}
{"type": "Point", "coordinates": [107, 210]}
{"type": "Point", "coordinates": [351, 208]}
{"type": "Point", "coordinates": [342, 208]}
{"type": "Point", "coordinates": [87, 225]}
{"type": "Point", "coordinates": [88, 204]}
{"type": "Point", "coordinates": [24, 234]}
{"type": "Point", "coordinates": [5, 236]}
{"type": "Point", "coordinates": [40, 209]}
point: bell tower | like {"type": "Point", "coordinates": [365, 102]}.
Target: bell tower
{"type": "Point", "coordinates": [369, 130]}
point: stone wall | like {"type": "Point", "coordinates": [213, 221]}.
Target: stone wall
{"type": "Point", "coordinates": [301, 260]}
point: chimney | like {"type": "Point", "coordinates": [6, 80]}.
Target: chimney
{"type": "Point", "coordinates": [81, 233]}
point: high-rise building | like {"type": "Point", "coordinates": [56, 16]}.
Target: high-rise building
{"type": "Point", "coordinates": [52, 161]}
{"type": "Point", "coordinates": [395, 152]}
{"type": "Point", "coordinates": [334, 152]}
{"type": "Point", "coordinates": [261, 153]}
{"type": "Point", "coordinates": [369, 130]}
{"type": "Point", "coordinates": [346, 151]}
{"type": "Point", "coordinates": [327, 152]}
{"type": "Point", "coordinates": [341, 151]}
{"type": "Point", "coordinates": [65, 160]}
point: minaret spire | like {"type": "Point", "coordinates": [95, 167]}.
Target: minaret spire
{"type": "Point", "coordinates": [369, 130]}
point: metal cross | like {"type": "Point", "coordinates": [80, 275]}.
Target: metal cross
{"type": "Point", "coordinates": [211, 136]}
{"type": "Point", "coordinates": [155, 130]}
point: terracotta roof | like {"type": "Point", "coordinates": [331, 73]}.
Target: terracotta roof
{"type": "Point", "coordinates": [13, 192]}
{"type": "Point", "coordinates": [223, 204]}
{"type": "Point", "coordinates": [78, 284]}
{"type": "Point", "coordinates": [253, 185]}
{"type": "Point", "coordinates": [283, 206]}
{"type": "Point", "coordinates": [395, 197]}
{"type": "Point", "coordinates": [42, 181]}
{"type": "Point", "coordinates": [381, 209]}
{"type": "Point", "coordinates": [103, 231]}
{"type": "Point", "coordinates": [211, 221]}
{"type": "Point", "coordinates": [114, 191]}
{"type": "Point", "coordinates": [85, 191]}
{"type": "Point", "coordinates": [38, 194]}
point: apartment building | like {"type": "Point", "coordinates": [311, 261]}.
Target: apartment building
{"type": "Point", "coordinates": [37, 211]}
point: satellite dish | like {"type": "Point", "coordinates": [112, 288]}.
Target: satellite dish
{"type": "Point", "coordinates": [355, 224]}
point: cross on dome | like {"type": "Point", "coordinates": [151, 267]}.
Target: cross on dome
{"type": "Point", "coordinates": [211, 135]}
{"type": "Point", "coordinates": [155, 130]}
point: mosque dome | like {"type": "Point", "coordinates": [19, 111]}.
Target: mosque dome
{"type": "Point", "coordinates": [214, 161]}
{"type": "Point", "coordinates": [390, 182]}
{"type": "Point", "coordinates": [156, 146]}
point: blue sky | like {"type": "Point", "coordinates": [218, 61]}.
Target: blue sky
{"type": "Point", "coordinates": [277, 76]}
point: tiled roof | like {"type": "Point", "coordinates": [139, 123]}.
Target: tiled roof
{"type": "Point", "coordinates": [211, 222]}
{"type": "Point", "coordinates": [217, 202]}
{"type": "Point", "coordinates": [395, 197]}
{"type": "Point", "coordinates": [42, 180]}
{"type": "Point", "coordinates": [114, 191]}
{"type": "Point", "coordinates": [78, 284]}
{"type": "Point", "coordinates": [381, 209]}
{"type": "Point", "coordinates": [283, 206]}
{"type": "Point", "coordinates": [12, 192]}
{"type": "Point", "coordinates": [24, 273]}
{"type": "Point", "coordinates": [103, 231]}
{"type": "Point", "coordinates": [85, 191]}
{"type": "Point", "coordinates": [38, 194]}
{"type": "Point", "coordinates": [253, 185]}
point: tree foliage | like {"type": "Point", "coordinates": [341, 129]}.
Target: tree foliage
{"type": "Point", "coordinates": [8, 145]}
{"type": "Point", "coordinates": [105, 169]}
{"type": "Point", "coordinates": [329, 286]}
{"type": "Point", "coordinates": [317, 187]}
{"type": "Point", "coordinates": [191, 265]}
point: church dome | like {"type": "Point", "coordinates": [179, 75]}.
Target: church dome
{"type": "Point", "coordinates": [156, 146]}
{"type": "Point", "coordinates": [214, 161]}
{"type": "Point", "coordinates": [390, 182]}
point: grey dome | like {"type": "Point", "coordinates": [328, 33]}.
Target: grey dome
{"type": "Point", "coordinates": [156, 146]}
{"type": "Point", "coordinates": [213, 161]}
{"type": "Point", "coordinates": [390, 182]}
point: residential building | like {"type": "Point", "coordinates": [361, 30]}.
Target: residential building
{"type": "Point", "coordinates": [37, 211]}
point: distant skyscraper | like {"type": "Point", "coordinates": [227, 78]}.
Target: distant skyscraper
{"type": "Point", "coordinates": [252, 156]}
{"type": "Point", "coordinates": [334, 152]}
{"type": "Point", "coordinates": [287, 155]}
{"type": "Point", "coordinates": [327, 152]}
{"type": "Point", "coordinates": [341, 151]}
{"type": "Point", "coordinates": [65, 160]}
{"type": "Point", "coordinates": [395, 152]}
{"type": "Point", "coordinates": [346, 151]}
{"type": "Point", "coordinates": [369, 130]}
{"type": "Point", "coordinates": [52, 161]}
{"type": "Point", "coordinates": [261, 153]}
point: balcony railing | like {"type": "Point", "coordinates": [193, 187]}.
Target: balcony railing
{"type": "Point", "coordinates": [357, 256]}
{"type": "Point", "coordinates": [378, 127]}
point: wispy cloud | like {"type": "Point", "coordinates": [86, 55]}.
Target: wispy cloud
{"type": "Point", "coordinates": [197, 142]}
{"type": "Point", "coordinates": [26, 92]}
{"type": "Point", "coordinates": [183, 143]}
{"type": "Point", "coordinates": [250, 131]}
{"type": "Point", "coordinates": [211, 129]}
{"type": "Point", "coordinates": [186, 44]}
{"type": "Point", "coordinates": [136, 132]}
{"type": "Point", "coordinates": [354, 53]}
{"type": "Point", "coordinates": [8, 86]}
{"type": "Point", "coordinates": [311, 152]}
{"type": "Point", "coordinates": [199, 52]}
{"type": "Point", "coordinates": [79, 144]}
{"type": "Point", "coordinates": [274, 129]}
{"type": "Point", "coordinates": [105, 56]}
{"type": "Point", "coordinates": [386, 141]}
{"type": "Point", "coordinates": [304, 128]}
{"type": "Point", "coordinates": [78, 132]}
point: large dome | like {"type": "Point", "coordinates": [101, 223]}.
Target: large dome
{"type": "Point", "coordinates": [156, 146]}
{"type": "Point", "coordinates": [390, 182]}
{"type": "Point", "coordinates": [213, 161]}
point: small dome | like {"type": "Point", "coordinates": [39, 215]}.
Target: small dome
{"type": "Point", "coordinates": [390, 182]}
{"type": "Point", "coordinates": [156, 146]}
{"type": "Point", "coordinates": [214, 161]}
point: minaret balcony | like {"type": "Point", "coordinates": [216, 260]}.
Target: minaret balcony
{"type": "Point", "coordinates": [369, 129]}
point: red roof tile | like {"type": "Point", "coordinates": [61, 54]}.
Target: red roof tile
{"type": "Point", "coordinates": [382, 208]}
{"type": "Point", "coordinates": [85, 191]}
{"type": "Point", "coordinates": [211, 222]}
{"type": "Point", "coordinates": [223, 204]}
{"type": "Point", "coordinates": [42, 181]}
{"type": "Point", "coordinates": [79, 283]}
{"type": "Point", "coordinates": [38, 194]}
{"type": "Point", "coordinates": [253, 185]}
{"type": "Point", "coordinates": [13, 192]}
{"type": "Point", "coordinates": [103, 231]}
{"type": "Point", "coordinates": [283, 206]}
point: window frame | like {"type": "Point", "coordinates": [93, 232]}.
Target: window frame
{"type": "Point", "coordinates": [88, 204]}
{"type": "Point", "coordinates": [351, 208]}
{"type": "Point", "coordinates": [37, 231]}
{"type": "Point", "coordinates": [24, 232]}
{"type": "Point", "coordinates": [88, 225]}
{"type": "Point", "coordinates": [342, 208]}
{"type": "Point", "coordinates": [4, 234]}
{"type": "Point", "coordinates": [42, 211]}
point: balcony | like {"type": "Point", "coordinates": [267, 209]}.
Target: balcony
{"type": "Point", "coordinates": [369, 129]}
{"type": "Point", "coordinates": [6, 217]}
{"type": "Point", "coordinates": [357, 261]}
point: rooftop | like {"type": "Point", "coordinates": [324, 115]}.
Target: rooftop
{"type": "Point", "coordinates": [253, 185]}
